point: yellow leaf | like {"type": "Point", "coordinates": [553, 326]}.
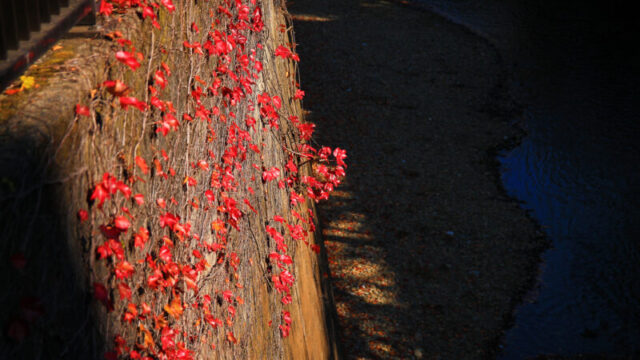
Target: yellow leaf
{"type": "Point", "coordinates": [175, 308]}
{"type": "Point", "coordinates": [56, 47]}
{"type": "Point", "coordinates": [148, 342]}
{"type": "Point", "coordinates": [160, 321]}
{"type": "Point", "coordinates": [27, 82]}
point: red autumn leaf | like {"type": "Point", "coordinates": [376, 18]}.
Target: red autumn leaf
{"type": "Point", "coordinates": [228, 296]}
{"type": "Point", "coordinates": [286, 316]}
{"type": "Point", "coordinates": [141, 237]}
{"type": "Point", "coordinates": [315, 248]}
{"type": "Point", "coordinates": [286, 259]}
{"type": "Point", "coordinates": [188, 180]}
{"type": "Point", "coordinates": [146, 309]}
{"type": "Point", "coordinates": [168, 219]}
{"type": "Point", "coordinates": [231, 338]}
{"type": "Point", "coordinates": [191, 284]}
{"type": "Point", "coordinates": [340, 155]}
{"type": "Point", "coordinates": [306, 130]}
{"type": "Point", "coordinates": [246, 201]}
{"type": "Point", "coordinates": [214, 322]}
{"type": "Point", "coordinates": [168, 4]}
{"type": "Point", "coordinates": [203, 165]}
{"type": "Point", "coordinates": [82, 110]}
{"type": "Point", "coordinates": [161, 203]}
{"type": "Point", "coordinates": [124, 42]}
{"type": "Point", "coordinates": [124, 290]}
{"type": "Point", "coordinates": [101, 294]}
{"type": "Point", "coordinates": [126, 101]}
{"type": "Point", "coordinates": [147, 11]}
{"type": "Point", "coordinates": [139, 198]}
{"type": "Point", "coordinates": [165, 254]}
{"type": "Point", "coordinates": [168, 123]}
{"type": "Point", "coordinates": [104, 251]}
{"type": "Point", "coordinates": [217, 225]}
{"type": "Point", "coordinates": [100, 194]}
{"type": "Point", "coordinates": [142, 164]}
{"type": "Point", "coordinates": [128, 59]}
{"type": "Point", "coordinates": [270, 174]}
{"type": "Point", "coordinates": [124, 189]}
{"type": "Point", "coordinates": [166, 68]}
{"type": "Point", "coordinates": [277, 102]}
{"type": "Point", "coordinates": [124, 269]}
{"type": "Point", "coordinates": [283, 52]}
{"type": "Point", "coordinates": [122, 223]}
{"type": "Point", "coordinates": [105, 8]}
{"type": "Point", "coordinates": [264, 98]}
{"type": "Point", "coordinates": [83, 215]}
{"type": "Point", "coordinates": [251, 122]}
{"type": "Point", "coordinates": [157, 103]}
{"type": "Point", "coordinates": [299, 94]}
{"type": "Point", "coordinates": [284, 330]}
{"type": "Point", "coordinates": [160, 79]}
{"type": "Point", "coordinates": [209, 195]}
{"type": "Point", "coordinates": [130, 315]}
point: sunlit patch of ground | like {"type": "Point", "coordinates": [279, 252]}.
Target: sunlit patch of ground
{"type": "Point", "coordinates": [362, 280]}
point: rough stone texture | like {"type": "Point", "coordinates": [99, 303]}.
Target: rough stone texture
{"type": "Point", "coordinates": [51, 159]}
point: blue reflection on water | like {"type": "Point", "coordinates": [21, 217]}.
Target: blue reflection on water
{"type": "Point", "coordinates": [576, 67]}
{"type": "Point", "coordinates": [587, 201]}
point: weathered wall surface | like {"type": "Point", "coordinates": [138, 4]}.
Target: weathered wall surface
{"type": "Point", "coordinates": [193, 248]}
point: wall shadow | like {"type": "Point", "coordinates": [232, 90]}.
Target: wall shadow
{"type": "Point", "coordinates": [45, 312]}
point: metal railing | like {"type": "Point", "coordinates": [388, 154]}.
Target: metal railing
{"type": "Point", "coordinates": [28, 28]}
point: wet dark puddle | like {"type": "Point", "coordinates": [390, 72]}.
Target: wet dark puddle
{"type": "Point", "coordinates": [576, 69]}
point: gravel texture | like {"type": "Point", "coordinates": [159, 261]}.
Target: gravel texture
{"type": "Point", "coordinates": [428, 256]}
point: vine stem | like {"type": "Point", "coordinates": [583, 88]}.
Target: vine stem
{"type": "Point", "coordinates": [146, 97]}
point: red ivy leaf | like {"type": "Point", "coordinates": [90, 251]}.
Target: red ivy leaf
{"type": "Point", "coordinates": [283, 52]}
{"type": "Point", "coordinates": [168, 4]}
{"type": "Point", "coordinates": [165, 254]}
{"type": "Point", "coordinates": [105, 8]}
{"type": "Point", "coordinates": [160, 79]}
{"type": "Point", "coordinates": [270, 174]}
{"type": "Point", "coordinates": [124, 290]}
{"type": "Point", "coordinates": [122, 223]}
{"type": "Point", "coordinates": [209, 195]}
{"type": "Point", "coordinates": [101, 294]}
{"type": "Point", "coordinates": [82, 110]}
{"type": "Point", "coordinates": [299, 94]}
{"type": "Point", "coordinates": [139, 198]}
{"type": "Point", "coordinates": [128, 59]}
{"type": "Point", "coordinates": [141, 237]}
{"type": "Point", "coordinates": [126, 101]}
{"type": "Point", "coordinates": [83, 215]}
{"type": "Point", "coordinates": [100, 194]}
